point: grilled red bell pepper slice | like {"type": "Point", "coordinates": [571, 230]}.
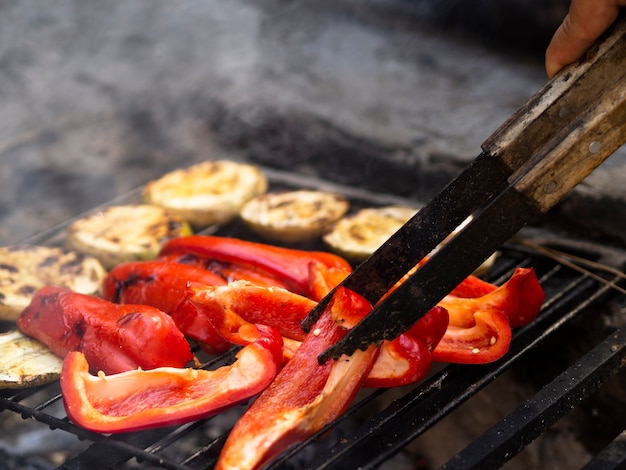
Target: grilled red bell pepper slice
{"type": "Point", "coordinates": [402, 361]}
{"type": "Point", "coordinates": [323, 279]}
{"type": "Point", "coordinates": [472, 287]}
{"type": "Point", "coordinates": [229, 272]}
{"type": "Point", "coordinates": [304, 396]}
{"type": "Point", "coordinates": [480, 328]}
{"type": "Point", "coordinates": [407, 359]}
{"type": "Point", "coordinates": [273, 306]}
{"type": "Point", "coordinates": [520, 299]}
{"type": "Point", "coordinates": [486, 340]}
{"type": "Point", "coordinates": [140, 399]}
{"type": "Point", "coordinates": [114, 338]}
{"type": "Point", "coordinates": [163, 285]}
{"type": "Point", "coordinates": [290, 265]}
{"type": "Point", "coordinates": [230, 308]}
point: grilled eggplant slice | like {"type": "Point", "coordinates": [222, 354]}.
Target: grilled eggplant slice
{"type": "Point", "coordinates": [357, 236]}
{"type": "Point", "coordinates": [125, 233]}
{"type": "Point", "coordinates": [26, 362]}
{"type": "Point", "coordinates": [26, 268]}
{"type": "Point", "coordinates": [293, 216]}
{"type": "Point", "coordinates": [207, 193]}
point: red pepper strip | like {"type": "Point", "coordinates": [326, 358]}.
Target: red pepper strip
{"type": "Point", "coordinates": [140, 399]}
{"type": "Point", "coordinates": [403, 361]}
{"type": "Point", "coordinates": [520, 299]}
{"type": "Point", "coordinates": [480, 328]}
{"type": "Point", "coordinates": [304, 396]}
{"type": "Point", "coordinates": [163, 285]}
{"type": "Point", "coordinates": [230, 308]}
{"type": "Point", "coordinates": [273, 306]}
{"type": "Point", "coordinates": [486, 341]}
{"type": "Point", "coordinates": [114, 338]}
{"type": "Point", "coordinates": [323, 278]}
{"type": "Point", "coordinates": [229, 272]}
{"type": "Point", "coordinates": [407, 359]}
{"type": "Point", "coordinates": [431, 327]}
{"type": "Point", "coordinates": [473, 287]}
{"type": "Point", "coordinates": [290, 265]}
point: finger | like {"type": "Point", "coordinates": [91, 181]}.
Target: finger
{"type": "Point", "coordinates": [585, 22]}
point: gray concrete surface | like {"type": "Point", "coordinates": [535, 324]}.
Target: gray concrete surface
{"type": "Point", "coordinates": [98, 97]}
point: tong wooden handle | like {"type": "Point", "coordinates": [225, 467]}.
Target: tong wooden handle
{"type": "Point", "coordinates": [570, 126]}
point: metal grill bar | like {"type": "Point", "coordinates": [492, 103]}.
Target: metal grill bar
{"type": "Point", "coordinates": [522, 426]}
{"type": "Point", "coordinates": [612, 457]}
{"type": "Point", "coordinates": [568, 294]}
{"type": "Point", "coordinates": [415, 413]}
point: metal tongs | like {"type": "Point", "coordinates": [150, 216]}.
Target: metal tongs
{"type": "Point", "coordinates": [568, 128]}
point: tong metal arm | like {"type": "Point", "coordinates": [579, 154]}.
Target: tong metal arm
{"type": "Point", "coordinates": [568, 128]}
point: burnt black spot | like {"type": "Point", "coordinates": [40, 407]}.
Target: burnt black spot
{"type": "Point", "coordinates": [9, 268]}
{"type": "Point", "coordinates": [48, 261]}
{"type": "Point", "coordinates": [133, 279]}
{"type": "Point", "coordinates": [79, 328]}
{"type": "Point", "coordinates": [187, 258]}
{"type": "Point", "coordinates": [71, 266]}
{"type": "Point", "coordinates": [27, 290]}
{"type": "Point", "coordinates": [49, 299]}
{"type": "Point", "coordinates": [174, 225]}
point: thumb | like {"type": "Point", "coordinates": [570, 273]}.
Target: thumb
{"type": "Point", "coordinates": [585, 22]}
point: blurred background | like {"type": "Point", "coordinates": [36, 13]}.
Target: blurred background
{"type": "Point", "coordinates": [98, 97]}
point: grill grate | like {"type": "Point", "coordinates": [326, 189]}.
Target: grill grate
{"type": "Point", "coordinates": [364, 438]}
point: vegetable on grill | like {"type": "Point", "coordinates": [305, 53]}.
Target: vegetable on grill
{"type": "Point", "coordinates": [140, 399]}
{"type": "Point", "coordinates": [480, 328]}
{"type": "Point", "coordinates": [291, 266]}
{"type": "Point", "coordinates": [207, 193]}
{"type": "Point", "coordinates": [119, 234]}
{"type": "Point", "coordinates": [163, 285]}
{"type": "Point", "coordinates": [293, 216]}
{"type": "Point", "coordinates": [26, 268]}
{"type": "Point", "coordinates": [358, 235]}
{"type": "Point", "coordinates": [114, 338]}
{"type": "Point", "coordinates": [304, 396]}
{"type": "Point", "coordinates": [26, 362]}
{"type": "Point", "coordinates": [228, 291]}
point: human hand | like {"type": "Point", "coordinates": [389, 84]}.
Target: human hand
{"type": "Point", "coordinates": [585, 22]}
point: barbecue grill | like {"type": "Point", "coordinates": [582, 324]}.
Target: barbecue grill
{"type": "Point", "coordinates": [580, 279]}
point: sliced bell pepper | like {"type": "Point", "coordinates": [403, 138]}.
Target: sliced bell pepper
{"type": "Point", "coordinates": [273, 306]}
{"type": "Point", "coordinates": [480, 328]}
{"type": "Point", "coordinates": [403, 361]}
{"type": "Point", "coordinates": [163, 285]}
{"type": "Point", "coordinates": [520, 299]}
{"type": "Point", "coordinates": [141, 399]}
{"type": "Point", "coordinates": [114, 338]}
{"type": "Point", "coordinates": [486, 340]}
{"type": "Point", "coordinates": [431, 327]}
{"type": "Point", "coordinates": [407, 359]}
{"type": "Point", "coordinates": [472, 287]}
{"type": "Point", "coordinates": [290, 265]}
{"type": "Point", "coordinates": [304, 396]}
{"type": "Point", "coordinates": [229, 272]}
{"type": "Point", "coordinates": [323, 278]}
{"type": "Point", "coordinates": [230, 308]}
